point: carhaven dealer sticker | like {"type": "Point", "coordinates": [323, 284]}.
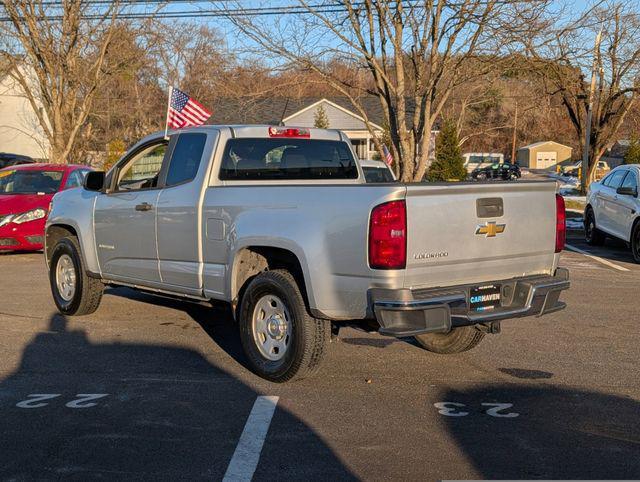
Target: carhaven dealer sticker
{"type": "Point", "coordinates": [485, 297]}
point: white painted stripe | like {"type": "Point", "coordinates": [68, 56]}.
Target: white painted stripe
{"type": "Point", "coordinates": [597, 258]}
{"type": "Point", "coordinates": [245, 459]}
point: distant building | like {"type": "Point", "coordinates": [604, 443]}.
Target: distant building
{"type": "Point", "coordinates": [301, 112]}
{"type": "Point", "coordinates": [543, 155]}
{"type": "Point", "coordinates": [615, 156]}
{"type": "Point", "coordinates": [20, 131]}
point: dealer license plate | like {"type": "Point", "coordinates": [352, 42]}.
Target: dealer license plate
{"type": "Point", "coordinates": [485, 297]}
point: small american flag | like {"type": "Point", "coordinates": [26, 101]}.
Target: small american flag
{"type": "Point", "coordinates": [185, 111]}
{"type": "Point", "coordinates": [388, 158]}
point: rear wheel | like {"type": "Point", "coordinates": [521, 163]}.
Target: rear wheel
{"type": "Point", "coordinates": [281, 340]}
{"type": "Point", "coordinates": [74, 293]}
{"type": "Point", "coordinates": [635, 242]}
{"type": "Point", "coordinates": [456, 341]}
{"type": "Point", "coordinates": [592, 234]}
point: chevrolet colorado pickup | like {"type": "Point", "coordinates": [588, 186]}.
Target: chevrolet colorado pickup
{"type": "Point", "coordinates": [279, 223]}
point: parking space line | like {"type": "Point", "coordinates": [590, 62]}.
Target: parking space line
{"type": "Point", "coordinates": [597, 258]}
{"type": "Point", "coordinates": [245, 458]}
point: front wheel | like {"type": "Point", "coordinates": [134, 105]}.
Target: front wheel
{"type": "Point", "coordinates": [456, 341]}
{"type": "Point", "coordinates": [635, 242]}
{"type": "Point", "coordinates": [74, 293]}
{"type": "Point", "coordinates": [280, 339]}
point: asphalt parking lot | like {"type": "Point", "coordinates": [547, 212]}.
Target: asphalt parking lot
{"type": "Point", "coordinates": [149, 388]}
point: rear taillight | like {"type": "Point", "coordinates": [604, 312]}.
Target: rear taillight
{"type": "Point", "coordinates": [289, 132]}
{"type": "Point", "coordinates": [388, 236]}
{"type": "Point", "coordinates": [561, 223]}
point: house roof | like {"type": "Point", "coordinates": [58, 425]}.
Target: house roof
{"type": "Point", "coordinates": [541, 143]}
{"type": "Point", "coordinates": [270, 110]}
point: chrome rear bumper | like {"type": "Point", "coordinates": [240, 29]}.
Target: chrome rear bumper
{"type": "Point", "coordinates": [414, 312]}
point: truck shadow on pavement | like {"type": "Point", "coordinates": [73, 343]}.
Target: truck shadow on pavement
{"type": "Point", "coordinates": [83, 410]}
{"type": "Point", "coordinates": [216, 321]}
{"type": "Point", "coordinates": [558, 433]}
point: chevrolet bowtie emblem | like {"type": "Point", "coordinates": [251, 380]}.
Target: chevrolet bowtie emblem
{"type": "Point", "coordinates": [490, 229]}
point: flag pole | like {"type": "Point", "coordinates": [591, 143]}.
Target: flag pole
{"type": "Point", "coordinates": [166, 124]}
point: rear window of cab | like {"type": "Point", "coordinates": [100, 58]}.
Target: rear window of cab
{"type": "Point", "coordinates": [287, 159]}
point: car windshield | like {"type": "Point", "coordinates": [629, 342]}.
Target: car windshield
{"type": "Point", "coordinates": [29, 181]}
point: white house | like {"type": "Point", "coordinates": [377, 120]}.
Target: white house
{"type": "Point", "coordinates": [20, 131]}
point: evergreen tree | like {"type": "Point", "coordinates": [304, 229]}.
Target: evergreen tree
{"type": "Point", "coordinates": [449, 164]}
{"type": "Point", "coordinates": [632, 156]}
{"type": "Point", "coordinates": [320, 119]}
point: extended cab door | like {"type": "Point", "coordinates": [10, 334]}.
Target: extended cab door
{"type": "Point", "coordinates": [125, 217]}
{"type": "Point", "coordinates": [179, 215]}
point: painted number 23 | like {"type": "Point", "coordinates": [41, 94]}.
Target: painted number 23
{"type": "Point", "coordinates": [455, 409]}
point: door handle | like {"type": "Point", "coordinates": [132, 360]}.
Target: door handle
{"type": "Point", "coordinates": [144, 207]}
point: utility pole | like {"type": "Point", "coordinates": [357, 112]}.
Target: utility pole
{"type": "Point", "coordinates": [587, 140]}
{"type": "Point", "coordinates": [515, 131]}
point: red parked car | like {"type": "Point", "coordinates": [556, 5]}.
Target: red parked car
{"type": "Point", "coordinates": [25, 194]}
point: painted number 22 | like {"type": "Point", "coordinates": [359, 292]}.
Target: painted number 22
{"type": "Point", "coordinates": [455, 409]}
{"type": "Point", "coordinates": [38, 400]}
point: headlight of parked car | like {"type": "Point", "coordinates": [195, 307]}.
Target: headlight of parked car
{"type": "Point", "coordinates": [32, 215]}
{"type": "Point", "coordinates": [5, 219]}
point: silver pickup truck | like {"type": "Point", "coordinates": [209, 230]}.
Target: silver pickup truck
{"type": "Point", "coordinates": [279, 223]}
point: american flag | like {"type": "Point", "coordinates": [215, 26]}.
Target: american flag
{"type": "Point", "coordinates": [388, 158]}
{"type": "Point", "coordinates": [185, 111]}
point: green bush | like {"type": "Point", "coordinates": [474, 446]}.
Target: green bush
{"type": "Point", "coordinates": [449, 163]}
{"type": "Point", "coordinates": [632, 156]}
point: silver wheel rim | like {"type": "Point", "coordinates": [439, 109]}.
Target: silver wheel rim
{"type": "Point", "coordinates": [65, 277]}
{"type": "Point", "coordinates": [271, 327]}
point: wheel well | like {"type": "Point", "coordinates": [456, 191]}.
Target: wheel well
{"type": "Point", "coordinates": [252, 260]}
{"type": "Point", "coordinates": [55, 233]}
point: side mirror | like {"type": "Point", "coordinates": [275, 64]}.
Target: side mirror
{"type": "Point", "coordinates": [627, 191]}
{"type": "Point", "coordinates": [94, 181]}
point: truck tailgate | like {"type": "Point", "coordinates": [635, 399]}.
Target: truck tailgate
{"type": "Point", "coordinates": [457, 233]}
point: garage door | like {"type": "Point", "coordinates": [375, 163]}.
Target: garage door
{"type": "Point", "coordinates": [545, 160]}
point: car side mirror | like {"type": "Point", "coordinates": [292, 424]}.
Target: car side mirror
{"type": "Point", "coordinates": [627, 191]}
{"type": "Point", "coordinates": [94, 181]}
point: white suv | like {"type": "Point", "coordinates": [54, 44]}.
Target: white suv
{"type": "Point", "coordinates": [613, 208]}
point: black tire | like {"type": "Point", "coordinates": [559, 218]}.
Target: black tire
{"type": "Point", "coordinates": [88, 291]}
{"type": "Point", "coordinates": [592, 235]}
{"type": "Point", "coordinates": [635, 242]}
{"type": "Point", "coordinates": [456, 341]}
{"type": "Point", "coordinates": [309, 337]}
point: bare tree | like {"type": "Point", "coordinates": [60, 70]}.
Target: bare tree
{"type": "Point", "coordinates": [565, 60]}
{"type": "Point", "coordinates": [411, 55]}
{"type": "Point", "coordinates": [57, 53]}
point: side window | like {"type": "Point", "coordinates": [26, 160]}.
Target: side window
{"type": "Point", "coordinates": [143, 169]}
{"type": "Point", "coordinates": [630, 181]}
{"type": "Point", "coordinates": [185, 159]}
{"type": "Point", "coordinates": [75, 179]}
{"type": "Point", "coordinates": [615, 179]}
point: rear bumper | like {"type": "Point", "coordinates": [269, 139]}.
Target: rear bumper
{"type": "Point", "coordinates": [415, 312]}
